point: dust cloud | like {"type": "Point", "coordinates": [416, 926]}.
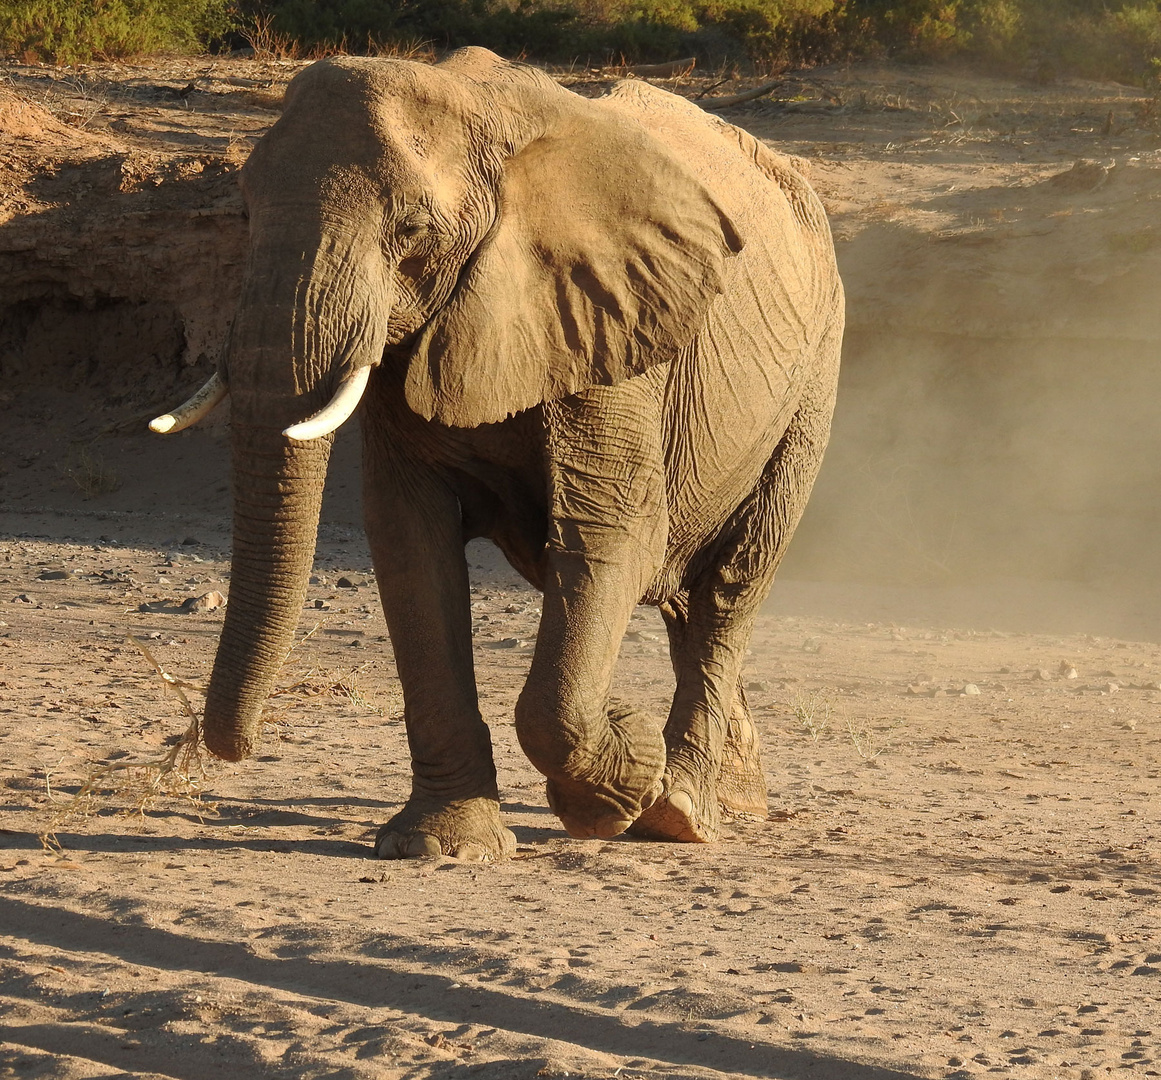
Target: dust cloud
{"type": "Point", "coordinates": [995, 442]}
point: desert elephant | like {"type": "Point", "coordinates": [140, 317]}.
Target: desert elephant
{"type": "Point", "coordinates": [603, 333]}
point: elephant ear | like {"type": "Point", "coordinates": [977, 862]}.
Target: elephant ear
{"type": "Point", "coordinates": [603, 259]}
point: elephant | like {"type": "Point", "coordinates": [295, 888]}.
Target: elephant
{"type": "Point", "coordinates": [603, 333]}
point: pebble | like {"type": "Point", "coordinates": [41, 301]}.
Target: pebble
{"type": "Point", "coordinates": [1066, 670]}
{"type": "Point", "coordinates": [206, 602]}
{"type": "Point", "coordinates": [640, 635]}
{"type": "Point", "coordinates": [52, 575]}
{"type": "Point", "coordinates": [971, 688]}
{"type": "Point", "coordinates": [345, 583]}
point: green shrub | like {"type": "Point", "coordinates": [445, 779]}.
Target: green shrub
{"type": "Point", "coordinates": [1098, 38]}
{"type": "Point", "coordinates": [1120, 41]}
{"type": "Point", "coordinates": [559, 30]}
{"type": "Point", "coordinates": [74, 31]}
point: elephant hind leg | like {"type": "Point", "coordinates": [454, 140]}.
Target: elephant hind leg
{"type": "Point", "coordinates": [712, 753]}
{"type": "Point", "coordinates": [741, 781]}
{"type": "Point", "coordinates": [691, 809]}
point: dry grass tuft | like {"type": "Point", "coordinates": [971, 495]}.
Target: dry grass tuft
{"type": "Point", "coordinates": [92, 476]}
{"type": "Point", "coordinates": [179, 773]}
{"type": "Point", "coordinates": [814, 712]}
{"type": "Point", "coordinates": [313, 680]}
{"type": "Point", "coordinates": [869, 742]}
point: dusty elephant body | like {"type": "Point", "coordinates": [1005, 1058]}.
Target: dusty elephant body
{"type": "Point", "coordinates": [603, 333]}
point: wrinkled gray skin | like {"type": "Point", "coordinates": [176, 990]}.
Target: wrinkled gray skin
{"type": "Point", "coordinates": [605, 335]}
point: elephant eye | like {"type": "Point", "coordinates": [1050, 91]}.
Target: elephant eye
{"type": "Point", "coordinates": [413, 230]}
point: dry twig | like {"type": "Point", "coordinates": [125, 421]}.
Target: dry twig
{"type": "Point", "coordinates": [179, 773]}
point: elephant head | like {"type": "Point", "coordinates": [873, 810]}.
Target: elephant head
{"type": "Point", "coordinates": [502, 240]}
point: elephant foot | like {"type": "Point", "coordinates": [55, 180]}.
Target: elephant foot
{"type": "Point", "coordinates": [467, 829]}
{"type": "Point", "coordinates": [604, 795]}
{"type": "Point", "coordinates": [741, 781]}
{"type": "Point", "coordinates": [687, 812]}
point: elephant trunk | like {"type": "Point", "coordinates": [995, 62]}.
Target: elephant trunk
{"type": "Point", "coordinates": [299, 340]}
{"type": "Point", "coordinates": [278, 488]}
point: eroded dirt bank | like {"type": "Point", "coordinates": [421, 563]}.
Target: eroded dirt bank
{"type": "Point", "coordinates": [956, 689]}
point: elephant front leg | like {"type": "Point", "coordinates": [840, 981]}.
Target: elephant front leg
{"type": "Point", "coordinates": [417, 546]}
{"type": "Point", "coordinates": [607, 536]}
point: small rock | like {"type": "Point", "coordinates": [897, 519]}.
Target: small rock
{"type": "Point", "coordinates": [1084, 176]}
{"type": "Point", "coordinates": [354, 643]}
{"type": "Point", "coordinates": [345, 583]}
{"type": "Point", "coordinates": [153, 635]}
{"type": "Point", "coordinates": [23, 598]}
{"type": "Point", "coordinates": [812, 645]}
{"type": "Point", "coordinates": [513, 609]}
{"type": "Point", "coordinates": [971, 689]}
{"type": "Point", "coordinates": [206, 602]}
{"type": "Point", "coordinates": [1041, 675]}
{"type": "Point", "coordinates": [317, 579]}
{"type": "Point", "coordinates": [1111, 687]}
{"type": "Point", "coordinates": [640, 635]}
{"type": "Point", "coordinates": [321, 605]}
{"type": "Point", "coordinates": [758, 686]}
{"type": "Point", "coordinates": [190, 541]}
{"type": "Point", "coordinates": [508, 643]}
{"type": "Point", "coordinates": [1066, 670]}
{"type": "Point", "coordinates": [52, 575]}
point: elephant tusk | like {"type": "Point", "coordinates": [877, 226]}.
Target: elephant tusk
{"type": "Point", "coordinates": [335, 412]}
{"type": "Point", "coordinates": [193, 410]}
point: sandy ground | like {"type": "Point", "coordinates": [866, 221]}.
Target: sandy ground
{"type": "Point", "coordinates": [959, 875]}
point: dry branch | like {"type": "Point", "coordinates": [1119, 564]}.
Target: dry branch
{"type": "Point", "coordinates": [662, 71]}
{"type": "Point", "coordinates": [738, 99]}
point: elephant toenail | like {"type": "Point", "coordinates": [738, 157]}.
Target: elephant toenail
{"type": "Point", "coordinates": [610, 827]}
{"type": "Point", "coordinates": [682, 803]}
{"type": "Point", "coordinates": [424, 844]}
{"type": "Point", "coordinates": [389, 847]}
{"type": "Point", "coordinates": [471, 852]}
{"type": "Point", "coordinates": [652, 795]}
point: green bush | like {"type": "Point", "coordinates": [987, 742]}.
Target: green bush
{"type": "Point", "coordinates": [1120, 41]}
{"type": "Point", "coordinates": [1099, 38]}
{"type": "Point", "coordinates": [74, 31]}
{"type": "Point", "coordinates": [558, 30]}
